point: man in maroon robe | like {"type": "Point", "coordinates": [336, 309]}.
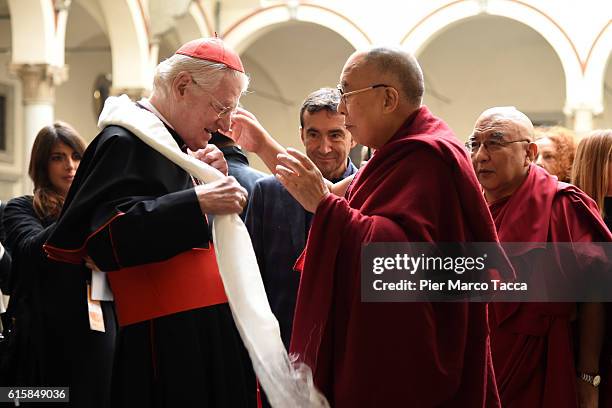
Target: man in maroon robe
{"type": "Point", "coordinates": [532, 343]}
{"type": "Point", "coordinates": [419, 186]}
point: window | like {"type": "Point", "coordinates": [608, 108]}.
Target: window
{"type": "Point", "coordinates": [7, 122]}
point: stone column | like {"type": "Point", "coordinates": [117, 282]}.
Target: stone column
{"type": "Point", "coordinates": [134, 93]}
{"type": "Point", "coordinates": [583, 120]}
{"type": "Point", "coordinates": [38, 88]}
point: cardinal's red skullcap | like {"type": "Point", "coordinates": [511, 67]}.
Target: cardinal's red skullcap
{"type": "Point", "coordinates": [212, 49]}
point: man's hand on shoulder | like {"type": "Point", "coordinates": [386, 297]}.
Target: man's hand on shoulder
{"type": "Point", "coordinates": [223, 196]}
{"type": "Point", "coordinates": [302, 179]}
{"type": "Point", "coordinates": [212, 156]}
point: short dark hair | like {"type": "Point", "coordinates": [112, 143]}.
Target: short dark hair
{"type": "Point", "coordinates": [323, 99]}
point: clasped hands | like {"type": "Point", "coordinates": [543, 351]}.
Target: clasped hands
{"type": "Point", "coordinates": [222, 196]}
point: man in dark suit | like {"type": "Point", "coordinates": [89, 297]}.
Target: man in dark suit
{"type": "Point", "coordinates": [277, 222]}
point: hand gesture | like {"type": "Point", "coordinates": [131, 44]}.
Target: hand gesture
{"type": "Point", "coordinates": [247, 131]}
{"type": "Point", "coordinates": [302, 179]}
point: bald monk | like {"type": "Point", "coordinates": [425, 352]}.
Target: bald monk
{"type": "Point", "coordinates": [420, 187]}
{"type": "Point", "coordinates": [532, 342]}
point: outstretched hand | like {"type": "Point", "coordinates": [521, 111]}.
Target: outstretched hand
{"type": "Point", "coordinates": [302, 179]}
{"type": "Point", "coordinates": [247, 131]}
{"type": "Point", "coordinates": [251, 135]}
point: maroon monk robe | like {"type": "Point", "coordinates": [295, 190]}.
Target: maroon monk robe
{"type": "Point", "coordinates": [420, 187]}
{"type": "Point", "coordinates": [532, 342]}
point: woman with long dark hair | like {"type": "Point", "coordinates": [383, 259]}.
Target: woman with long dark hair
{"type": "Point", "coordinates": [51, 342]}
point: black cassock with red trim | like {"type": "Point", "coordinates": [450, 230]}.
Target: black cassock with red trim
{"type": "Point", "coordinates": [136, 214]}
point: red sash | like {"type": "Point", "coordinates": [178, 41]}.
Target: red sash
{"type": "Point", "coordinates": [187, 281]}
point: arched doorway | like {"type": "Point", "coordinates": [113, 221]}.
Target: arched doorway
{"type": "Point", "coordinates": [88, 56]}
{"type": "Point", "coordinates": [175, 23]}
{"type": "Point", "coordinates": [487, 61]}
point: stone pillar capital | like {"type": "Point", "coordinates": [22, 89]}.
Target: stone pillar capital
{"type": "Point", "coordinates": [61, 5]}
{"type": "Point", "coordinates": [134, 93]}
{"type": "Point", "coordinates": [39, 81]}
{"type": "Point", "coordinates": [583, 120]}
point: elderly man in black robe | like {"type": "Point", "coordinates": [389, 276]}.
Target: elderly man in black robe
{"type": "Point", "coordinates": [142, 219]}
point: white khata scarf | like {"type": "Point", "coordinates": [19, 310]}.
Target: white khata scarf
{"type": "Point", "coordinates": [285, 383]}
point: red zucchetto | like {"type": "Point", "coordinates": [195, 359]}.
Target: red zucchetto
{"type": "Point", "coordinates": [212, 49]}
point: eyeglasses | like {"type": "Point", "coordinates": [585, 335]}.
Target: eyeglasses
{"type": "Point", "coordinates": [222, 112]}
{"type": "Point", "coordinates": [490, 145]}
{"type": "Point", "coordinates": [344, 95]}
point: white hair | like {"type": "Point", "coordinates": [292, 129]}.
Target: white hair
{"type": "Point", "coordinates": [207, 74]}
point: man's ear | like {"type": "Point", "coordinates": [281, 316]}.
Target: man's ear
{"type": "Point", "coordinates": [391, 99]}
{"type": "Point", "coordinates": [532, 153]}
{"type": "Point", "coordinates": [302, 135]}
{"type": "Point", "coordinates": [181, 82]}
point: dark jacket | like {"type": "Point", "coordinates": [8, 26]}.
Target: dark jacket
{"type": "Point", "coordinates": [278, 226]}
{"type": "Point", "coordinates": [51, 343]}
{"type": "Point", "coordinates": [238, 165]}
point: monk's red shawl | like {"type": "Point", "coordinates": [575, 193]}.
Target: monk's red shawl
{"type": "Point", "coordinates": [532, 342]}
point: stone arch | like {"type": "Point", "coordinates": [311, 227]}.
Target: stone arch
{"type": "Point", "coordinates": [417, 38]}
{"type": "Point", "coordinates": [248, 29]}
{"type": "Point", "coordinates": [467, 72]}
{"type": "Point", "coordinates": [34, 28]}
{"type": "Point", "coordinates": [128, 34]}
{"type": "Point", "coordinates": [600, 55]}
{"type": "Point", "coordinates": [187, 24]}
{"type": "Point", "coordinates": [194, 24]}
{"type": "Point", "coordinates": [88, 55]}
{"type": "Point", "coordinates": [278, 86]}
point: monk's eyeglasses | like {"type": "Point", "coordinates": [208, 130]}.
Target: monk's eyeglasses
{"type": "Point", "coordinates": [491, 145]}
{"type": "Point", "coordinates": [221, 110]}
{"type": "Point", "coordinates": [344, 95]}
